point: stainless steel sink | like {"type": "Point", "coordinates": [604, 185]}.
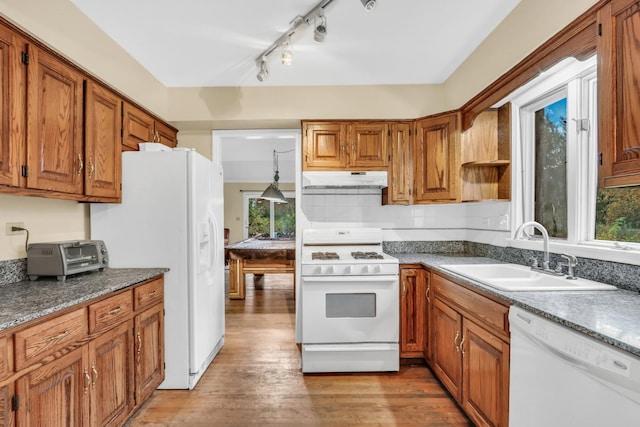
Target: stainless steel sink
{"type": "Point", "coordinates": [515, 277]}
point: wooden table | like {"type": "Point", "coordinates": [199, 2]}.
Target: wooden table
{"type": "Point", "coordinates": [259, 256]}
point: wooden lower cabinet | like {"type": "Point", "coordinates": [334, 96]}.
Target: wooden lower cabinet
{"type": "Point", "coordinates": [149, 357]}
{"type": "Point", "coordinates": [412, 299]}
{"type": "Point", "coordinates": [6, 414]}
{"type": "Point", "coordinates": [56, 393]}
{"type": "Point", "coordinates": [98, 379]}
{"type": "Point", "coordinates": [112, 376]}
{"type": "Point", "coordinates": [470, 350]}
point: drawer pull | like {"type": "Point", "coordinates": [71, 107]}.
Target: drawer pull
{"type": "Point", "coordinates": [95, 375]}
{"type": "Point", "coordinates": [115, 310]}
{"type": "Point", "coordinates": [87, 381]}
{"type": "Point", "coordinates": [58, 337]}
{"type": "Point", "coordinates": [152, 294]}
{"type": "Point", "coordinates": [139, 349]}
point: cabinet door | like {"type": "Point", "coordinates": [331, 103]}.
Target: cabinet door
{"type": "Point", "coordinates": [400, 167]}
{"type": "Point", "coordinates": [437, 164]}
{"type": "Point", "coordinates": [6, 413]}
{"type": "Point", "coordinates": [55, 154]}
{"type": "Point", "coordinates": [618, 100]}
{"type": "Point", "coordinates": [103, 149]}
{"type": "Point", "coordinates": [485, 390]}
{"type": "Point", "coordinates": [149, 354]}
{"type": "Point", "coordinates": [137, 125]}
{"type": "Point", "coordinates": [369, 145]}
{"type": "Point", "coordinates": [12, 106]}
{"type": "Point", "coordinates": [428, 317]}
{"type": "Point", "coordinates": [412, 312]}
{"type": "Point", "coordinates": [111, 357]}
{"type": "Point", "coordinates": [56, 394]}
{"type": "Point", "coordinates": [165, 135]}
{"type": "Point", "coordinates": [447, 334]}
{"type": "Point", "coordinates": [324, 146]}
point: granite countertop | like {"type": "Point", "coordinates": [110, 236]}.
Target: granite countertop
{"type": "Point", "coordinates": [21, 302]}
{"type": "Point", "coordinates": [611, 316]}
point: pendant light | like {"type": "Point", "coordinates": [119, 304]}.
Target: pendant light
{"type": "Point", "coordinates": [272, 192]}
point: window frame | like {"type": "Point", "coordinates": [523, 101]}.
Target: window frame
{"type": "Point", "coordinates": [579, 80]}
{"type": "Point", "coordinates": [245, 210]}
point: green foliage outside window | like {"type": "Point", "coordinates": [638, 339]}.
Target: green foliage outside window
{"type": "Point", "coordinates": [618, 214]}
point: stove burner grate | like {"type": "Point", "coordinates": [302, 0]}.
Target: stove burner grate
{"type": "Point", "coordinates": [366, 255]}
{"type": "Point", "coordinates": [324, 255]}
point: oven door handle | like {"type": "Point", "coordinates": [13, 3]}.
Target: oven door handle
{"type": "Point", "coordinates": [352, 279]}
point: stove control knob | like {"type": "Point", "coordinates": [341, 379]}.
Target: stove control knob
{"type": "Point", "coordinates": [377, 269]}
{"type": "Point", "coordinates": [365, 269]}
{"type": "Point", "coordinates": [329, 270]}
{"type": "Point", "coordinates": [347, 270]}
{"type": "Point", "coordinates": [317, 270]}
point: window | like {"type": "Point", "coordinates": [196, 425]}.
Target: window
{"type": "Point", "coordinates": [555, 155]}
{"type": "Point", "coordinates": [263, 218]}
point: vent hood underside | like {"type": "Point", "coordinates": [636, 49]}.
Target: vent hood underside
{"type": "Point", "coordinates": [344, 179]}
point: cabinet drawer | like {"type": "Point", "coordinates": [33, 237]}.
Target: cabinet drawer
{"type": "Point", "coordinates": [148, 294]}
{"type": "Point", "coordinates": [5, 369]}
{"type": "Point", "coordinates": [44, 339]}
{"type": "Point", "coordinates": [110, 312]}
{"type": "Point", "coordinates": [473, 305]}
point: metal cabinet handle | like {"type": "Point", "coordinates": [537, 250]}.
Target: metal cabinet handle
{"type": "Point", "coordinates": [426, 293]}
{"type": "Point", "coordinates": [152, 294]}
{"type": "Point", "coordinates": [58, 337]}
{"type": "Point", "coordinates": [115, 310]}
{"type": "Point", "coordinates": [80, 164]}
{"type": "Point", "coordinates": [139, 349]}
{"type": "Point", "coordinates": [87, 381]}
{"type": "Point", "coordinates": [95, 375]}
{"type": "Point", "coordinates": [462, 345]}
{"type": "Point", "coordinates": [404, 290]}
{"type": "Point", "coordinates": [455, 341]}
{"type": "Point", "coordinates": [91, 168]}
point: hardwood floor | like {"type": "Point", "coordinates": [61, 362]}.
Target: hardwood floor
{"type": "Point", "coordinates": [256, 380]}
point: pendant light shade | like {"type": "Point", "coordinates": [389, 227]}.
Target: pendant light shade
{"type": "Point", "coordinates": [272, 192]}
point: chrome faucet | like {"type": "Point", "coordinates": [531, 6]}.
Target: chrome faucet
{"type": "Point", "coordinates": [545, 238]}
{"type": "Point", "coordinates": [571, 263]}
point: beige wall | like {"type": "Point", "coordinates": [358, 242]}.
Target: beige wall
{"type": "Point", "coordinates": [198, 110]}
{"type": "Point", "coordinates": [233, 204]}
{"type": "Point", "coordinates": [46, 219]}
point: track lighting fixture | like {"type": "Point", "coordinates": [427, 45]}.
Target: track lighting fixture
{"type": "Point", "coordinates": [368, 4]}
{"type": "Point", "coordinates": [264, 72]}
{"type": "Point", "coordinates": [287, 56]}
{"type": "Point", "coordinates": [320, 31]}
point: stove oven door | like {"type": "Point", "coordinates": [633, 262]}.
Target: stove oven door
{"type": "Point", "coordinates": [350, 324]}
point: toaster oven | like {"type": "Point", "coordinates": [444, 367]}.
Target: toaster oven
{"type": "Point", "coordinates": [61, 259]}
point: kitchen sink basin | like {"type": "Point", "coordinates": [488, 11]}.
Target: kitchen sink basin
{"type": "Point", "coordinates": [515, 277]}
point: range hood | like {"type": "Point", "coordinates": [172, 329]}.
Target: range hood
{"type": "Point", "coordinates": [344, 179]}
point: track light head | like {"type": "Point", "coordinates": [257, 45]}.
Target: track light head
{"type": "Point", "coordinates": [287, 56]}
{"type": "Point", "coordinates": [368, 4]}
{"type": "Point", "coordinates": [321, 27]}
{"type": "Point", "coordinates": [264, 72]}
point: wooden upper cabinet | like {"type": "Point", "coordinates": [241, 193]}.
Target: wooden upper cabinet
{"type": "Point", "coordinates": [618, 88]}
{"type": "Point", "coordinates": [138, 126]}
{"type": "Point", "coordinates": [345, 145]}
{"type": "Point", "coordinates": [12, 106]}
{"type": "Point", "coordinates": [437, 159]}
{"type": "Point", "coordinates": [369, 145]}
{"type": "Point", "coordinates": [165, 135]}
{"type": "Point", "coordinates": [103, 150]}
{"type": "Point", "coordinates": [400, 176]}
{"type": "Point", "coordinates": [324, 146]}
{"type": "Point", "coordinates": [55, 148]}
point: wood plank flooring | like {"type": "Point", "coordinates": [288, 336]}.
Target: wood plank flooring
{"type": "Point", "coordinates": [256, 380]}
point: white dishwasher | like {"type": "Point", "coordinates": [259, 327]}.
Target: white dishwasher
{"type": "Point", "coordinates": [560, 377]}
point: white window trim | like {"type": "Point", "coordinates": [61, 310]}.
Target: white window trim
{"type": "Point", "coordinates": [245, 211]}
{"type": "Point", "coordinates": [580, 179]}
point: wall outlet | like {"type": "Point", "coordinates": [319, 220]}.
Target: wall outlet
{"type": "Point", "coordinates": [10, 225]}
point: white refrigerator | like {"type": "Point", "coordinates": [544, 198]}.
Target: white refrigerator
{"type": "Point", "coordinates": [171, 216]}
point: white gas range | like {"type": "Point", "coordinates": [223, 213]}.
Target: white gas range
{"type": "Point", "coordinates": [350, 302]}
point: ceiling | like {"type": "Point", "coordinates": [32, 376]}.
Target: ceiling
{"type": "Point", "coordinates": [210, 43]}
